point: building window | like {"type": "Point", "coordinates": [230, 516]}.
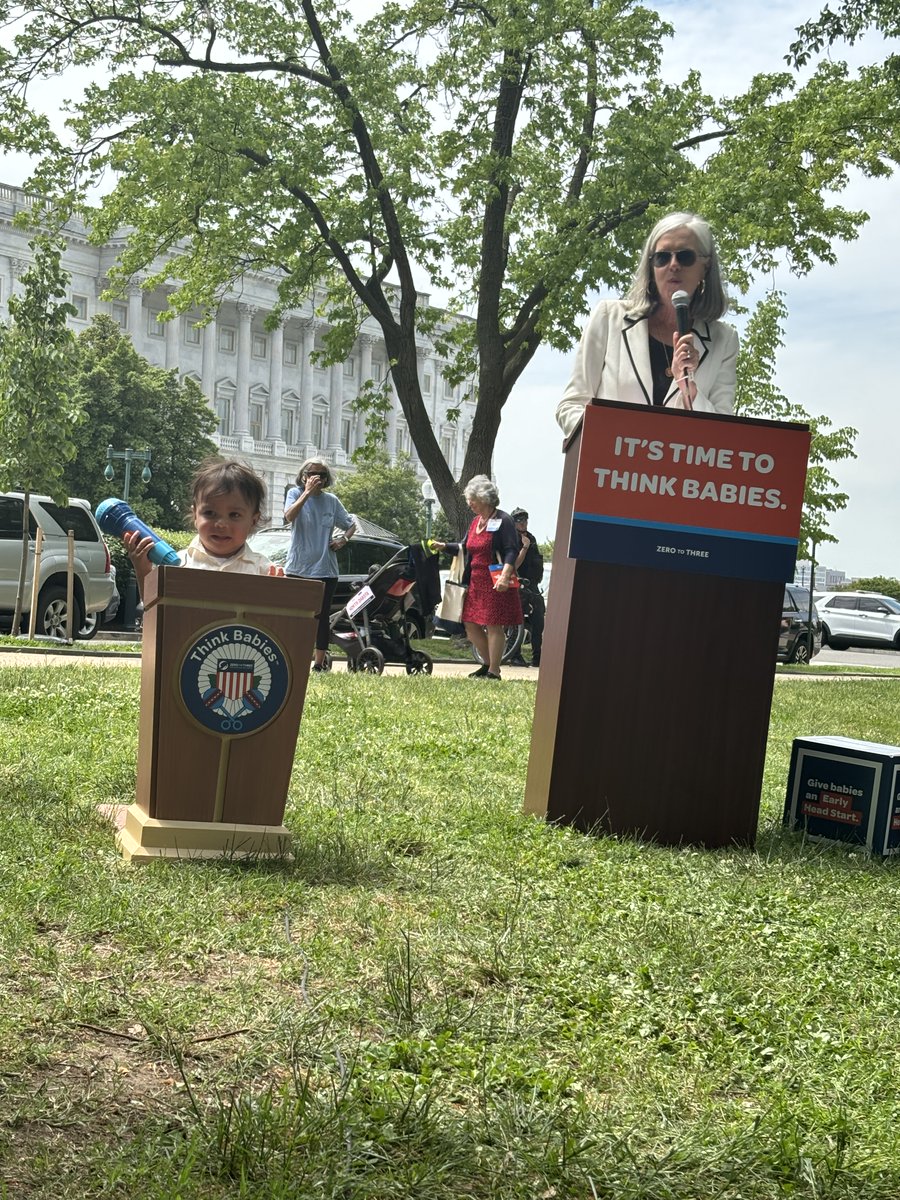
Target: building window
{"type": "Point", "coordinates": [256, 422]}
{"type": "Point", "coordinates": [154, 325]}
{"type": "Point", "coordinates": [401, 444]}
{"type": "Point", "coordinates": [223, 407]}
{"type": "Point", "coordinates": [260, 345]}
{"type": "Point", "coordinates": [192, 333]}
{"type": "Point", "coordinates": [227, 339]}
{"type": "Point", "coordinates": [377, 371]}
{"type": "Point", "coordinates": [448, 389]}
{"type": "Point", "coordinates": [349, 367]}
{"type": "Point", "coordinates": [80, 304]}
{"type": "Point", "coordinates": [346, 425]}
{"type": "Point", "coordinates": [447, 448]}
{"type": "Point", "coordinates": [290, 354]}
{"type": "Point", "coordinates": [120, 315]}
{"type": "Point", "coordinates": [426, 384]}
{"type": "Point", "coordinates": [287, 426]}
{"type": "Point", "coordinates": [318, 429]}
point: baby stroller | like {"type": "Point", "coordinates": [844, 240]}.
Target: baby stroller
{"type": "Point", "coordinates": [371, 628]}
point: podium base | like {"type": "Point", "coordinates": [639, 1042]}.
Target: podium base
{"type": "Point", "coordinates": [143, 839]}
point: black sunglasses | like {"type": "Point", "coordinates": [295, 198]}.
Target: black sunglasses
{"type": "Point", "coordinates": [685, 258]}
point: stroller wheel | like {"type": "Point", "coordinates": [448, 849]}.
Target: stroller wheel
{"type": "Point", "coordinates": [419, 663]}
{"type": "Point", "coordinates": [371, 661]}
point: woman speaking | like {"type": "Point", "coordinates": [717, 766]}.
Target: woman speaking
{"type": "Point", "coordinates": [632, 349]}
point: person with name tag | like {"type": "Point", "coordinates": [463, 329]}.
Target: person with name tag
{"type": "Point", "coordinates": [664, 344]}
{"type": "Point", "coordinates": [490, 549]}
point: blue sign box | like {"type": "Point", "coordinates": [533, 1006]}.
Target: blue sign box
{"type": "Point", "coordinates": [845, 790]}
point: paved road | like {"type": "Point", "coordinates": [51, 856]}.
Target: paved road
{"type": "Point", "coordinates": [857, 657]}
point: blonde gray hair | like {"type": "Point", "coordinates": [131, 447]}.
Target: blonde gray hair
{"type": "Point", "coordinates": [315, 462]}
{"type": "Point", "coordinates": [709, 302]}
{"type": "Point", "coordinates": [483, 489]}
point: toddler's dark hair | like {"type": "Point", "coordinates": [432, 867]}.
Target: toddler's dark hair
{"type": "Point", "coordinates": [218, 476]}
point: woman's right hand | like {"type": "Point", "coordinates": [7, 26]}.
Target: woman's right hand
{"type": "Point", "coordinates": [433, 545]}
{"type": "Point", "coordinates": [312, 485]}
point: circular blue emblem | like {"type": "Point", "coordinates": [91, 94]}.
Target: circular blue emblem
{"type": "Point", "coordinates": [234, 679]}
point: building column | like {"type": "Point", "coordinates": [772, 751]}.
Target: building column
{"type": "Point", "coordinates": [246, 313]}
{"type": "Point", "coordinates": [173, 330]}
{"type": "Point", "coordinates": [335, 410]}
{"type": "Point", "coordinates": [135, 310]}
{"type": "Point", "coordinates": [208, 364]}
{"type": "Point", "coordinates": [392, 417]}
{"type": "Point", "coordinates": [366, 343]}
{"type": "Point", "coordinates": [276, 381]}
{"type": "Point", "coordinates": [308, 344]}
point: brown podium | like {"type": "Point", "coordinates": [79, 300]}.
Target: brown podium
{"type": "Point", "coordinates": [223, 678]}
{"type": "Point", "coordinates": [658, 664]}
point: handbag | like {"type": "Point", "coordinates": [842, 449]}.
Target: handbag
{"type": "Point", "coordinates": [454, 597]}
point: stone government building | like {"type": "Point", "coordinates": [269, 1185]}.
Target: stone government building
{"type": "Point", "coordinates": [275, 408]}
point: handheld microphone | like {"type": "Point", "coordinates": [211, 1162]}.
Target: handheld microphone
{"type": "Point", "coordinates": [116, 517]}
{"type": "Point", "coordinates": [682, 304]}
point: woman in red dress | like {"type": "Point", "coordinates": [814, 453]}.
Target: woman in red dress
{"type": "Point", "coordinates": [492, 601]}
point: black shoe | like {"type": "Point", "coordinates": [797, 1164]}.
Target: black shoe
{"type": "Point", "coordinates": [536, 662]}
{"type": "Point", "coordinates": [480, 673]}
{"type": "Point", "coordinates": [518, 661]}
{"type": "Point", "coordinates": [319, 667]}
{"type": "Point", "coordinates": [491, 675]}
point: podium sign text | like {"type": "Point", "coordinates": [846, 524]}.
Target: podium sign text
{"type": "Point", "coordinates": [709, 496]}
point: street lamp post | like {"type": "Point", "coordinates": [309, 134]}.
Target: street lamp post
{"type": "Point", "coordinates": [128, 456]}
{"type": "Point", "coordinates": [429, 496]}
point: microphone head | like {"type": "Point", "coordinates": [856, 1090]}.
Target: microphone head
{"type": "Point", "coordinates": [681, 302]}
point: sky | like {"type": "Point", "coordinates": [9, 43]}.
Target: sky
{"type": "Point", "coordinates": [842, 337]}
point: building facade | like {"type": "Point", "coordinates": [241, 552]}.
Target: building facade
{"type": "Point", "coordinates": [274, 405]}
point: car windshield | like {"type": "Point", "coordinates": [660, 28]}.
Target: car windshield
{"type": "Point", "coordinates": [273, 543]}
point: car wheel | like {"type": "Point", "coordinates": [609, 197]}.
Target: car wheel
{"type": "Point", "coordinates": [412, 629]}
{"type": "Point", "coordinates": [419, 663]}
{"type": "Point", "coordinates": [800, 652]}
{"type": "Point", "coordinates": [90, 627]}
{"type": "Point", "coordinates": [53, 610]}
{"type": "Point", "coordinates": [515, 635]}
{"type": "Point", "coordinates": [371, 661]}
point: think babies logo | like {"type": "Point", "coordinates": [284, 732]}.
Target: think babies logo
{"type": "Point", "coordinates": [234, 679]}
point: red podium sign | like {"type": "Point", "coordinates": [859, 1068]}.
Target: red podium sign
{"type": "Point", "coordinates": [658, 488]}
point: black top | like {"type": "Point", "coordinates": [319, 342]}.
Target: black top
{"type": "Point", "coordinates": [660, 361]}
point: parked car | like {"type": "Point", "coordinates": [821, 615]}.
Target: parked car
{"type": "Point", "coordinates": [94, 621]}
{"type": "Point", "coordinates": [859, 619]}
{"type": "Point", "coordinates": [793, 640]}
{"type": "Point", "coordinates": [93, 580]}
{"type": "Point", "coordinates": [370, 547]}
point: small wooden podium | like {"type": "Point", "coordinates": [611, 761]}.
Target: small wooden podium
{"type": "Point", "coordinates": [223, 679]}
{"type": "Point", "coordinates": [676, 533]}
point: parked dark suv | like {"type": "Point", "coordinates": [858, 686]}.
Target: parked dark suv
{"type": "Point", "coordinates": [793, 640]}
{"type": "Point", "coordinates": [370, 547]}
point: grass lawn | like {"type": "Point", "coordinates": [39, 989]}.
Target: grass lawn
{"type": "Point", "coordinates": [439, 998]}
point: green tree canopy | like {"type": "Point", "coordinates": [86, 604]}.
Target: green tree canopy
{"type": "Point", "coordinates": [512, 152]}
{"type": "Point", "coordinates": [389, 495]}
{"type": "Point", "coordinates": [129, 403]}
{"type": "Point", "coordinates": [885, 585]}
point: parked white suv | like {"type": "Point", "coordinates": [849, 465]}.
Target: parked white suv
{"type": "Point", "coordinates": [93, 582]}
{"type": "Point", "coordinates": [859, 619]}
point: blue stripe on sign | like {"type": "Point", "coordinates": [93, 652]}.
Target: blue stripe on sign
{"type": "Point", "coordinates": [680, 548]}
{"type": "Point", "coordinates": [661, 525]}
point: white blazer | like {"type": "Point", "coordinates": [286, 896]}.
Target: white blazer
{"type": "Point", "coordinates": [613, 363]}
